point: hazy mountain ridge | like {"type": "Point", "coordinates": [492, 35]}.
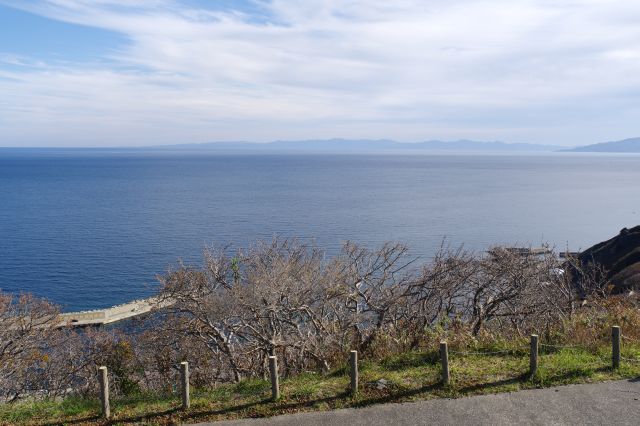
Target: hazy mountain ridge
{"type": "Point", "coordinates": [626, 145]}
{"type": "Point", "coordinates": [340, 145]}
{"type": "Point", "coordinates": [350, 145]}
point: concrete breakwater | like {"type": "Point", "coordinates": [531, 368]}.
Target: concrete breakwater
{"type": "Point", "coordinates": [113, 314]}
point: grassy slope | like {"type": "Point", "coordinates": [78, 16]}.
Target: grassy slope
{"type": "Point", "coordinates": [412, 376]}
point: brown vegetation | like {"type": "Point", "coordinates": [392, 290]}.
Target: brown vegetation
{"type": "Point", "coordinates": [288, 299]}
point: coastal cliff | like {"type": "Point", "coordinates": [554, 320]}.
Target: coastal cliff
{"type": "Point", "coordinates": [619, 258]}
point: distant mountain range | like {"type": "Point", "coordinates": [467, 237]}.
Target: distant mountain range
{"type": "Point", "coordinates": [350, 145]}
{"type": "Point", "coordinates": [627, 145]}
{"type": "Point", "coordinates": [360, 146]}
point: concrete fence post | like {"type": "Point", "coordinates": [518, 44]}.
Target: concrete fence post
{"type": "Point", "coordinates": [103, 378]}
{"type": "Point", "coordinates": [353, 361]}
{"type": "Point", "coordinates": [533, 355]}
{"type": "Point", "coordinates": [273, 370]}
{"type": "Point", "coordinates": [444, 359]}
{"type": "Point", "coordinates": [615, 346]}
{"type": "Point", "coordinates": [184, 379]}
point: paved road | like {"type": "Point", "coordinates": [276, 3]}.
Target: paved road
{"type": "Point", "coordinates": [609, 403]}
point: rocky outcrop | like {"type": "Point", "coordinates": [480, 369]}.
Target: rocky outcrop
{"type": "Point", "coordinates": [619, 259]}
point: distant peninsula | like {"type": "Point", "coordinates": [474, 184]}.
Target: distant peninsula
{"type": "Point", "coordinates": [626, 145]}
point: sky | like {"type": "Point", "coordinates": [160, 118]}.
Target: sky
{"type": "Point", "coordinates": [152, 72]}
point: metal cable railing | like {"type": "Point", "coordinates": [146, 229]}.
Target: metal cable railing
{"type": "Point", "coordinates": [600, 361]}
{"type": "Point", "coordinates": [467, 353]}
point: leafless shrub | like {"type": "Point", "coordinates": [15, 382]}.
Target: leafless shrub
{"type": "Point", "coordinates": [31, 347]}
{"type": "Point", "coordinates": [286, 298]}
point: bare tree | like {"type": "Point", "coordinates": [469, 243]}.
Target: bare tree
{"type": "Point", "coordinates": [27, 331]}
{"type": "Point", "coordinates": [286, 298]}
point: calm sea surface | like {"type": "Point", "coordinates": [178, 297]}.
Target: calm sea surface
{"type": "Point", "coordinates": [89, 230]}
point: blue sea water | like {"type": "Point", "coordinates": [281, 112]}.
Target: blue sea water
{"type": "Point", "coordinates": [90, 229]}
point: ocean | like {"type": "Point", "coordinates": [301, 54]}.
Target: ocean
{"type": "Point", "coordinates": [93, 228]}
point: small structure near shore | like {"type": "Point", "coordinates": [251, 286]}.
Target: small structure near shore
{"type": "Point", "coordinates": [522, 251]}
{"type": "Point", "coordinates": [113, 314]}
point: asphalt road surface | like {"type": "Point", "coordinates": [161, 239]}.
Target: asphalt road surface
{"type": "Point", "coordinates": [609, 403]}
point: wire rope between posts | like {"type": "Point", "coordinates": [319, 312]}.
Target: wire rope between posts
{"type": "Point", "coordinates": [507, 351]}
{"type": "Point", "coordinates": [547, 345]}
{"type": "Point", "coordinates": [584, 348]}
{"type": "Point", "coordinates": [630, 339]}
{"type": "Point", "coordinates": [630, 359]}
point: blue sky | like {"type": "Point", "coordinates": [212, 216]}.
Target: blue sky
{"type": "Point", "coordinates": [147, 72]}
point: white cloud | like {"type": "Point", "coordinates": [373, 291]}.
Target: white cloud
{"type": "Point", "coordinates": [538, 71]}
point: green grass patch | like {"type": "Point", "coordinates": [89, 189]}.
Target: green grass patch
{"type": "Point", "coordinates": [27, 412]}
{"type": "Point", "coordinates": [251, 387]}
{"type": "Point", "coordinates": [406, 377]}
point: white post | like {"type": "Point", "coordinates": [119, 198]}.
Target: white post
{"type": "Point", "coordinates": [615, 346]}
{"type": "Point", "coordinates": [533, 356]}
{"type": "Point", "coordinates": [275, 385]}
{"type": "Point", "coordinates": [103, 378]}
{"type": "Point", "coordinates": [184, 376]}
{"type": "Point", "coordinates": [444, 360]}
{"type": "Point", "coordinates": [354, 371]}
